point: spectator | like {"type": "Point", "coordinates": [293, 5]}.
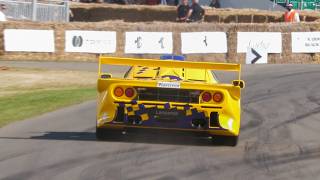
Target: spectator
{"type": "Point", "coordinates": [176, 2]}
{"type": "Point", "coordinates": [152, 2]}
{"type": "Point", "coordinates": [71, 15]}
{"type": "Point", "coordinates": [215, 4]}
{"type": "Point", "coordinates": [121, 1]}
{"type": "Point", "coordinates": [183, 10]}
{"type": "Point", "coordinates": [196, 12]}
{"type": "Point", "coordinates": [291, 15]}
{"type": "Point", "coordinates": [2, 15]}
{"type": "Point", "coordinates": [163, 2]}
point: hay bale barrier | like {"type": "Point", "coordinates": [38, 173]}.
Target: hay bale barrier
{"type": "Point", "coordinates": [223, 20]}
{"type": "Point", "coordinates": [143, 13]}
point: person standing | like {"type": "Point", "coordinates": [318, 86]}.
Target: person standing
{"type": "Point", "coordinates": [196, 12]}
{"type": "Point", "coordinates": [182, 11]}
{"type": "Point", "coordinates": [163, 2]}
{"type": "Point", "coordinates": [215, 4]}
{"type": "Point", "coordinates": [2, 15]}
{"type": "Point", "coordinates": [291, 15]}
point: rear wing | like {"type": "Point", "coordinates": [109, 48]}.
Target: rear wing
{"type": "Point", "coordinates": [169, 64]}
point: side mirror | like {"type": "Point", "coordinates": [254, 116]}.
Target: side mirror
{"type": "Point", "coordinates": [239, 83]}
{"type": "Point", "coordinates": [106, 75]}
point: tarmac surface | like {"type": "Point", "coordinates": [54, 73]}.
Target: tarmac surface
{"type": "Point", "coordinates": [279, 138]}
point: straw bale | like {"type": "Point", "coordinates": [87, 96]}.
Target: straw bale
{"type": "Point", "coordinates": [121, 27]}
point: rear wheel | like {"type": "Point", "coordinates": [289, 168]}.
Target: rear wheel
{"type": "Point", "coordinates": [225, 140]}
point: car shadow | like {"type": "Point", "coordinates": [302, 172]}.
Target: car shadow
{"type": "Point", "coordinates": [140, 136]}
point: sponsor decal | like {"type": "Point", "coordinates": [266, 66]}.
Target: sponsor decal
{"type": "Point", "coordinates": [138, 42]}
{"type": "Point", "coordinates": [167, 113]}
{"type": "Point", "coordinates": [174, 85]}
{"type": "Point", "coordinates": [148, 43]}
{"type": "Point", "coordinates": [161, 42]}
{"type": "Point", "coordinates": [77, 41]}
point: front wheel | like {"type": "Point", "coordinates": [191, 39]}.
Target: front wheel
{"type": "Point", "coordinates": [225, 140]}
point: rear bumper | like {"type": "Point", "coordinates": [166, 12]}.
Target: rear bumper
{"type": "Point", "coordinates": [179, 117]}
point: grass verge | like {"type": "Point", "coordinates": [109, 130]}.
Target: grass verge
{"type": "Point", "coordinates": [26, 105]}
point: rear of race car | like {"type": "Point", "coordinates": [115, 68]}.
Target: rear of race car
{"type": "Point", "coordinates": [170, 104]}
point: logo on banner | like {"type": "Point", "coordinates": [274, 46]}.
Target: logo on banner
{"type": "Point", "coordinates": [161, 42]}
{"type": "Point", "coordinates": [205, 41]}
{"type": "Point", "coordinates": [259, 45]}
{"type": "Point", "coordinates": [77, 41]}
{"type": "Point", "coordinates": [138, 42]}
{"type": "Point", "coordinates": [148, 42]}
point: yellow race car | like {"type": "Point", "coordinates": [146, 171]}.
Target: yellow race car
{"type": "Point", "coordinates": [169, 95]}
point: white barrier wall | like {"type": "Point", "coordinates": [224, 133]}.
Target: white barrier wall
{"type": "Point", "coordinates": [90, 41]}
{"type": "Point", "coordinates": [148, 43]}
{"type": "Point", "coordinates": [98, 42]}
{"type": "Point", "coordinates": [27, 40]}
{"type": "Point", "coordinates": [271, 42]}
{"type": "Point", "coordinates": [203, 42]}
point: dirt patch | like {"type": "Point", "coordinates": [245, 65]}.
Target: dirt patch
{"type": "Point", "coordinates": [18, 80]}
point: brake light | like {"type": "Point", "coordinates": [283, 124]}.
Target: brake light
{"type": "Point", "coordinates": [217, 97]}
{"type": "Point", "coordinates": [206, 97]}
{"type": "Point", "coordinates": [118, 91]}
{"type": "Point", "coordinates": [129, 92]}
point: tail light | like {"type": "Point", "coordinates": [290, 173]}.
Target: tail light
{"type": "Point", "coordinates": [129, 92]}
{"type": "Point", "coordinates": [206, 97]}
{"type": "Point", "coordinates": [217, 97]}
{"type": "Point", "coordinates": [118, 91]}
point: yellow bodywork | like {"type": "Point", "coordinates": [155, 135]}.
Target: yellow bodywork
{"type": "Point", "coordinates": [182, 75]}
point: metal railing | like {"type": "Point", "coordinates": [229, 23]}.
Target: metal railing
{"type": "Point", "coordinates": [300, 4]}
{"type": "Point", "coordinates": [37, 10]}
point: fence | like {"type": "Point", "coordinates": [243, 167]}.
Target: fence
{"type": "Point", "coordinates": [43, 10]}
{"type": "Point", "coordinates": [301, 4]}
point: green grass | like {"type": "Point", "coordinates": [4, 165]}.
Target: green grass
{"type": "Point", "coordinates": [21, 106]}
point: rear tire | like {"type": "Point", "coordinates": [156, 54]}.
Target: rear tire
{"type": "Point", "coordinates": [225, 140]}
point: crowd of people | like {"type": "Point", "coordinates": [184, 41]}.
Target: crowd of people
{"type": "Point", "coordinates": [212, 3]}
{"type": "Point", "coordinates": [190, 13]}
{"type": "Point", "coordinates": [193, 12]}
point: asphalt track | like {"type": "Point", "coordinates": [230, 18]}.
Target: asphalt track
{"type": "Point", "coordinates": [279, 139]}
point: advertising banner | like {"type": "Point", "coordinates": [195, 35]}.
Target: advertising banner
{"type": "Point", "coordinates": [271, 42]}
{"type": "Point", "coordinates": [305, 42]}
{"type": "Point", "coordinates": [203, 42]}
{"type": "Point", "coordinates": [90, 41]}
{"type": "Point", "coordinates": [26, 40]}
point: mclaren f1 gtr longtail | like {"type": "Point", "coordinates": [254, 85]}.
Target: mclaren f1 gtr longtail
{"type": "Point", "coordinates": [169, 95]}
